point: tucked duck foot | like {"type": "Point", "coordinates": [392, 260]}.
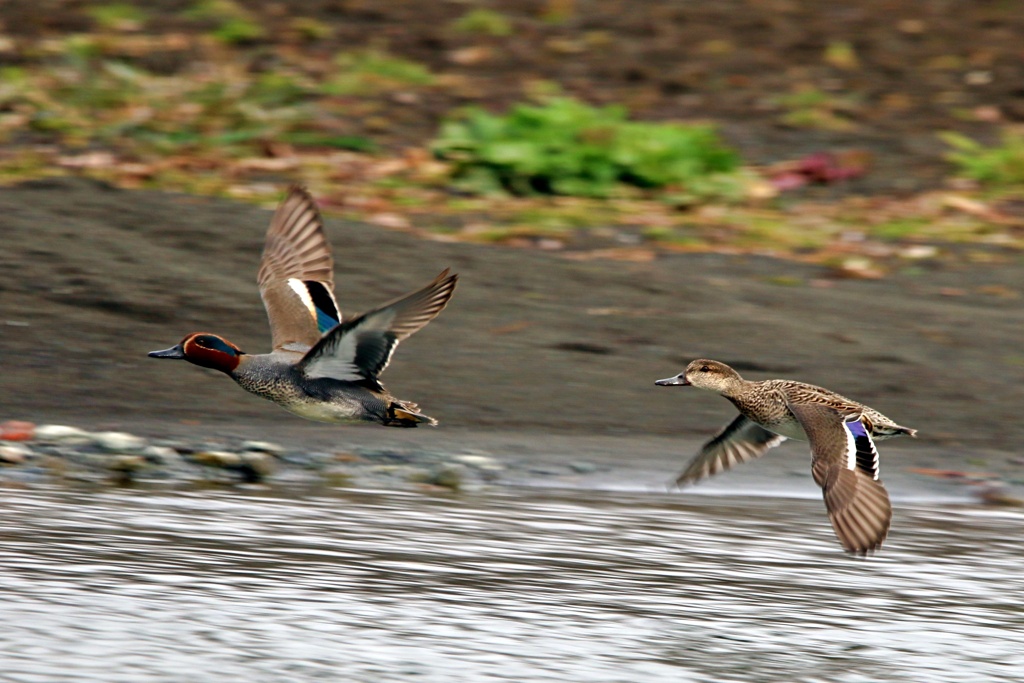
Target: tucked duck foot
{"type": "Point", "coordinates": [400, 416]}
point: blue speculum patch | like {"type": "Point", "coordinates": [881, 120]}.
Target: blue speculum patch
{"type": "Point", "coordinates": [856, 428]}
{"type": "Point", "coordinates": [327, 315]}
{"type": "Point", "coordinates": [324, 322]}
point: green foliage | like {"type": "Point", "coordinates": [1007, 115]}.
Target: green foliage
{"type": "Point", "coordinates": [899, 228]}
{"type": "Point", "coordinates": [26, 163]}
{"type": "Point", "coordinates": [276, 89]}
{"type": "Point", "coordinates": [816, 109]}
{"type": "Point", "coordinates": [190, 138]}
{"type": "Point", "coordinates": [239, 30]}
{"type": "Point", "coordinates": [372, 71]}
{"type": "Point", "coordinates": [484, 21]}
{"type": "Point", "coordinates": [14, 81]}
{"type": "Point", "coordinates": [841, 55]}
{"type": "Point", "coordinates": [303, 138]}
{"type": "Point", "coordinates": [311, 29]}
{"type": "Point", "coordinates": [1002, 164]}
{"type": "Point", "coordinates": [570, 148]}
{"type": "Point", "coordinates": [117, 15]}
{"type": "Point", "coordinates": [725, 187]}
{"type": "Point", "coordinates": [80, 49]}
{"type": "Point", "coordinates": [234, 24]}
{"type": "Point", "coordinates": [110, 85]}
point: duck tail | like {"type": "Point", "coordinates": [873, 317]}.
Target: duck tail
{"type": "Point", "coordinates": [406, 415]}
{"type": "Point", "coordinates": [889, 431]}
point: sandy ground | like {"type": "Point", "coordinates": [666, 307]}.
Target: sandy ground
{"type": "Point", "coordinates": [538, 355]}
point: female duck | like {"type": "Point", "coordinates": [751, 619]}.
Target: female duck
{"type": "Point", "coordinates": [321, 368]}
{"type": "Point", "coordinates": [844, 460]}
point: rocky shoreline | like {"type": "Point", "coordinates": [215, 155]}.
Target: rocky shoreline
{"type": "Point", "coordinates": [459, 463]}
{"type": "Point", "coordinates": [56, 453]}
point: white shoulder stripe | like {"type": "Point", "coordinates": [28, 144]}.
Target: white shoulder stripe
{"type": "Point", "coordinates": [299, 287]}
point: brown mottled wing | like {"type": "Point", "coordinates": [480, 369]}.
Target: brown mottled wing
{"type": "Point", "coordinates": [296, 275]}
{"type": "Point", "coordinates": [858, 506]}
{"type": "Point", "coordinates": [362, 347]}
{"type": "Point", "coordinates": [740, 441]}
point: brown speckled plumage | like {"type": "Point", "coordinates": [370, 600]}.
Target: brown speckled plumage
{"type": "Point", "coordinates": [840, 432]}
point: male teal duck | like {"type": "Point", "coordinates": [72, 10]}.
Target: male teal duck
{"type": "Point", "coordinates": [840, 431]}
{"type": "Point", "coordinates": [321, 367]}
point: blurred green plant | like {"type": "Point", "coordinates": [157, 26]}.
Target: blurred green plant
{"type": "Point", "coordinates": [567, 147]}
{"type": "Point", "coordinates": [93, 101]}
{"type": "Point", "coordinates": [310, 138]}
{"type": "Point", "coordinates": [813, 108]}
{"type": "Point", "coordinates": [999, 165]}
{"type": "Point", "coordinates": [841, 55]}
{"type": "Point", "coordinates": [898, 228]}
{"type": "Point", "coordinates": [485, 22]}
{"type": "Point", "coordinates": [107, 85]}
{"type": "Point", "coordinates": [117, 16]}
{"type": "Point", "coordinates": [558, 11]}
{"type": "Point", "coordinates": [239, 30]}
{"type": "Point", "coordinates": [311, 29]}
{"type": "Point", "coordinates": [25, 163]}
{"type": "Point", "coordinates": [277, 89]}
{"type": "Point", "coordinates": [373, 71]}
{"type": "Point", "coordinates": [233, 24]}
{"type": "Point", "coordinates": [80, 49]}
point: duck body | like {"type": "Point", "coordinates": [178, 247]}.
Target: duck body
{"type": "Point", "coordinates": [841, 433]}
{"type": "Point", "coordinates": [768, 404]}
{"type": "Point", "coordinates": [276, 377]}
{"type": "Point", "coordinates": [322, 367]}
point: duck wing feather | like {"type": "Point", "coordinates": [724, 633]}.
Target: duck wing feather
{"type": "Point", "coordinates": [857, 504]}
{"type": "Point", "coordinates": [361, 348]}
{"type": "Point", "coordinates": [296, 275]}
{"type": "Point", "coordinates": [741, 440]}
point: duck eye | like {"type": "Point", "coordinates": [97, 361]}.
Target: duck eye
{"type": "Point", "coordinates": [705, 368]}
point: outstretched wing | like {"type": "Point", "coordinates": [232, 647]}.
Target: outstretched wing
{"type": "Point", "coordinates": [845, 465]}
{"type": "Point", "coordinates": [361, 348]}
{"type": "Point", "coordinates": [740, 441]}
{"type": "Point", "coordinates": [296, 275]}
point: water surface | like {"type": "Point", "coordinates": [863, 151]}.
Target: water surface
{"type": "Point", "coordinates": [528, 585]}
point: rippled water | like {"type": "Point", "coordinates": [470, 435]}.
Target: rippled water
{"type": "Point", "coordinates": [520, 586]}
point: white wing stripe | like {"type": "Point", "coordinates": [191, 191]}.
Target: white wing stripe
{"type": "Point", "coordinates": [299, 287]}
{"type": "Point", "coordinates": [851, 447]}
{"type": "Point", "coordinates": [337, 358]}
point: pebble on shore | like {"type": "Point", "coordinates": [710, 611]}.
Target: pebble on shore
{"type": "Point", "coordinates": [14, 454]}
{"type": "Point", "coordinates": [17, 430]}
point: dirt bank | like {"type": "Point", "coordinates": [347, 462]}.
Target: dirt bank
{"type": "Point", "coordinates": [91, 278]}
